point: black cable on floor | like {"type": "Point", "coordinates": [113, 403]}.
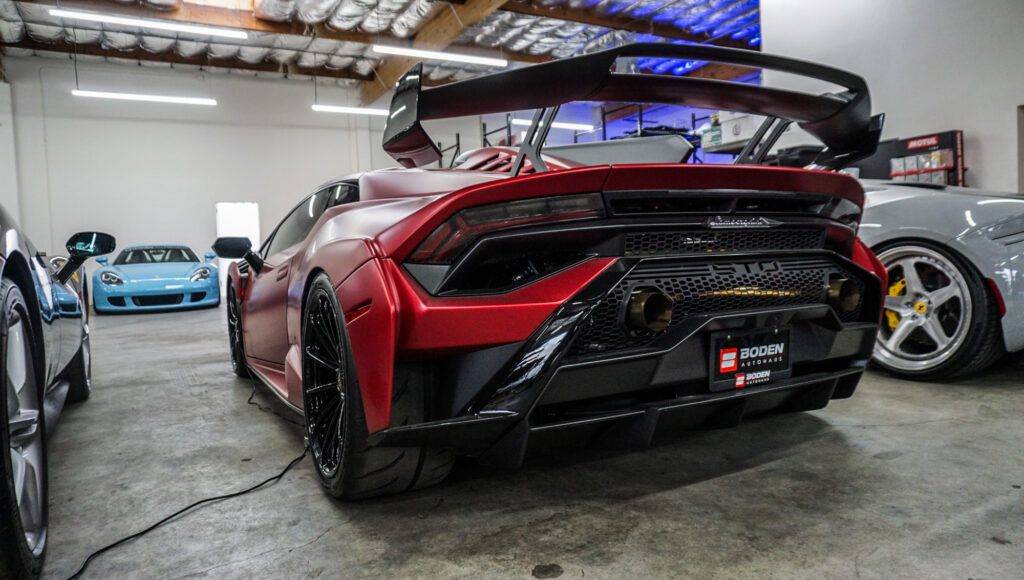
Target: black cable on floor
{"type": "Point", "coordinates": [273, 479]}
{"type": "Point", "coordinates": [268, 409]}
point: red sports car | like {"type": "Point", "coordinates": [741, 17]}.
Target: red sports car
{"type": "Point", "coordinates": [531, 298]}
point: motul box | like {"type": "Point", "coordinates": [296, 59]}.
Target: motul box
{"type": "Point", "coordinates": [933, 158]}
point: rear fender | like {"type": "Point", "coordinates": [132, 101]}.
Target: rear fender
{"type": "Point", "coordinates": [367, 301]}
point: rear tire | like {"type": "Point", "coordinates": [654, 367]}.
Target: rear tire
{"type": "Point", "coordinates": [951, 316]}
{"type": "Point", "coordinates": [349, 467]}
{"type": "Point", "coordinates": [24, 491]}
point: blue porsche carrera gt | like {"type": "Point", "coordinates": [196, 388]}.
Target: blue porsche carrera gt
{"type": "Point", "coordinates": [155, 278]}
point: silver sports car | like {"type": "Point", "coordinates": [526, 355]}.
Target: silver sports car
{"type": "Point", "coordinates": [955, 299]}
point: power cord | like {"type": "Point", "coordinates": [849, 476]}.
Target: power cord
{"type": "Point", "coordinates": [268, 409]}
{"type": "Point", "coordinates": [273, 479]}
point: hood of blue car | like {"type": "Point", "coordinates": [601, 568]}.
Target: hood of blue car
{"type": "Point", "coordinates": [166, 271]}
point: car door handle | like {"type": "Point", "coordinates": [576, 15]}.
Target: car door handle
{"type": "Point", "coordinates": [281, 273]}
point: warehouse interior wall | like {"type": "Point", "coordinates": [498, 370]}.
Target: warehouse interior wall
{"type": "Point", "coordinates": [152, 173]}
{"type": "Point", "coordinates": [931, 66]}
{"type": "Point", "coordinates": [8, 167]}
{"type": "Point", "coordinates": [1020, 148]}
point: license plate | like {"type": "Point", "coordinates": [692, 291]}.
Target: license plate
{"type": "Point", "coordinates": [748, 359]}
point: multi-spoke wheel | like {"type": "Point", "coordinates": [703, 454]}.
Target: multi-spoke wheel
{"type": "Point", "coordinates": [939, 319]}
{"type": "Point", "coordinates": [348, 466]}
{"type": "Point", "coordinates": [23, 496]}
{"type": "Point", "coordinates": [238, 362]}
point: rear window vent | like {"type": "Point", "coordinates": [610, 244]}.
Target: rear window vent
{"type": "Point", "coordinates": [718, 204]}
{"type": "Point", "coordinates": [669, 205]}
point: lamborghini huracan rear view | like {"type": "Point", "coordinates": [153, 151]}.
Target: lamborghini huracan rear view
{"type": "Point", "coordinates": [532, 298]}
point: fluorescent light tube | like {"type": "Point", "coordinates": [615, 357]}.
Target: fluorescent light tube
{"type": "Point", "coordinates": [435, 55]}
{"type": "Point", "coordinates": [557, 125]}
{"type": "Point", "coordinates": [350, 110]}
{"type": "Point", "coordinates": [148, 98]}
{"type": "Point", "coordinates": [152, 24]}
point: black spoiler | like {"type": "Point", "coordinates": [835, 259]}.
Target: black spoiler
{"type": "Point", "coordinates": [842, 121]}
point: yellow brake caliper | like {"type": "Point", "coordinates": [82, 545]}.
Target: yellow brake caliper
{"type": "Point", "coordinates": [897, 288]}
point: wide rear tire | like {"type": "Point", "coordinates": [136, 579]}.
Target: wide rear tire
{"type": "Point", "coordinates": [348, 466]}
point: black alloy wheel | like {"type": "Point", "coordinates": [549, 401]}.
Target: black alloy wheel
{"type": "Point", "coordinates": [238, 362]}
{"type": "Point", "coordinates": [323, 385]}
{"type": "Point", "coordinates": [348, 464]}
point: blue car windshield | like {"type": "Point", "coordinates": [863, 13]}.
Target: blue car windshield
{"type": "Point", "coordinates": [155, 255]}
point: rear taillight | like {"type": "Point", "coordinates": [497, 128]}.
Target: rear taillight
{"type": "Point", "coordinates": [446, 242]}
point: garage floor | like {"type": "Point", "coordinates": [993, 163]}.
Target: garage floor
{"type": "Point", "coordinates": [905, 479]}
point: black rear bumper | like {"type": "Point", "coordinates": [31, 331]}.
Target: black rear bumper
{"type": "Point", "coordinates": [544, 395]}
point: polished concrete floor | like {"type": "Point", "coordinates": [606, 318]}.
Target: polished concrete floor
{"type": "Point", "coordinates": [903, 480]}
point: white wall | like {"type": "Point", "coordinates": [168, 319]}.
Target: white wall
{"type": "Point", "coordinates": [931, 65]}
{"type": "Point", "coordinates": [151, 173]}
{"type": "Point", "coordinates": [8, 169]}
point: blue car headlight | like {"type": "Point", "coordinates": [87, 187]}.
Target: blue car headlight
{"type": "Point", "coordinates": [200, 274]}
{"type": "Point", "coordinates": [111, 278]}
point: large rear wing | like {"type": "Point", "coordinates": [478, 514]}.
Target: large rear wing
{"type": "Point", "coordinates": [841, 121]}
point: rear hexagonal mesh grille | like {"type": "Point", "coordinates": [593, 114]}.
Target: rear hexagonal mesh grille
{"type": "Point", "coordinates": [676, 242]}
{"type": "Point", "coordinates": [701, 287]}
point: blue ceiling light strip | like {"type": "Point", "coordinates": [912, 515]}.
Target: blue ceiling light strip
{"type": "Point", "coordinates": [717, 18]}
{"type": "Point", "coordinates": [736, 23]}
{"type": "Point", "coordinates": [746, 32]}
{"type": "Point", "coordinates": [687, 67]}
{"type": "Point", "coordinates": [735, 19]}
{"type": "Point", "coordinates": [644, 10]}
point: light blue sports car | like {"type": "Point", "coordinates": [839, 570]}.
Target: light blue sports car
{"type": "Point", "coordinates": [155, 278]}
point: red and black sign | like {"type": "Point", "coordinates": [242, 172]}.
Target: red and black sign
{"type": "Point", "coordinates": [746, 359]}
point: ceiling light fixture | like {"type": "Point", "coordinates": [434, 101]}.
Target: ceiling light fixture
{"type": "Point", "coordinates": [151, 24]}
{"type": "Point", "coordinates": [557, 125]}
{"type": "Point", "coordinates": [148, 98]}
{"type": "Point", "coordinates": [350, 110]}
{"type": "Point", "coordinates": [435, 55]}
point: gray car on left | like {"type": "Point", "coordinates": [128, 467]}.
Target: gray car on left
{"type": "Point", "coordinates": [44, 362]}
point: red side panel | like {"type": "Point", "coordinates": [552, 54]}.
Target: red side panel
{"type": "Point", "coordinates": [865, 258]}
{"type": "Point", "coordinates": [372, 335]}
{"type": "Point", "coordinates": [378, 299]}
{"type": "Point", "coordinates": [429, 325]}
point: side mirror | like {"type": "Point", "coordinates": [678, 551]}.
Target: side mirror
{"type": "Point", "coordinates": [102, 260]}
{"type": "Point", "coordinates": [81, 246]}
{"type": "Point", "coordinates": [209, 256]}
{"type": "Point", "coordinates": [235, 248]}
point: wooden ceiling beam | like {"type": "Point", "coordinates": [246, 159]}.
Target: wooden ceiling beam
{"type": "Point", "coordinates": [618, 22]}
{"type": "Point", "coordinates": [171, 57]}
{"type": "Point", "coordinates": [437, 34]}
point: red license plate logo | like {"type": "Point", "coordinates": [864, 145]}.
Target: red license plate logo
{"type": "Point", "coordinates": [728, 360]}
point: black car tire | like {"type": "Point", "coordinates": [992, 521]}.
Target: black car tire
{"type": "Point", "coordinates": [359, 470]}
{"type": "Point", "coordinates": [239, 364]}
{"type": "Point", "coordinates": [982, 343]}
{"type": "Point", "coordinates": [17, 558]}
{"type": "Point", "coordinates": [79, 373]}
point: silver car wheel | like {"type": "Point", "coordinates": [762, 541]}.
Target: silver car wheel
{"type": "Point", "coordinates": [933, 311]}
{"type": "Point", "coordinates": [25, 435]}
